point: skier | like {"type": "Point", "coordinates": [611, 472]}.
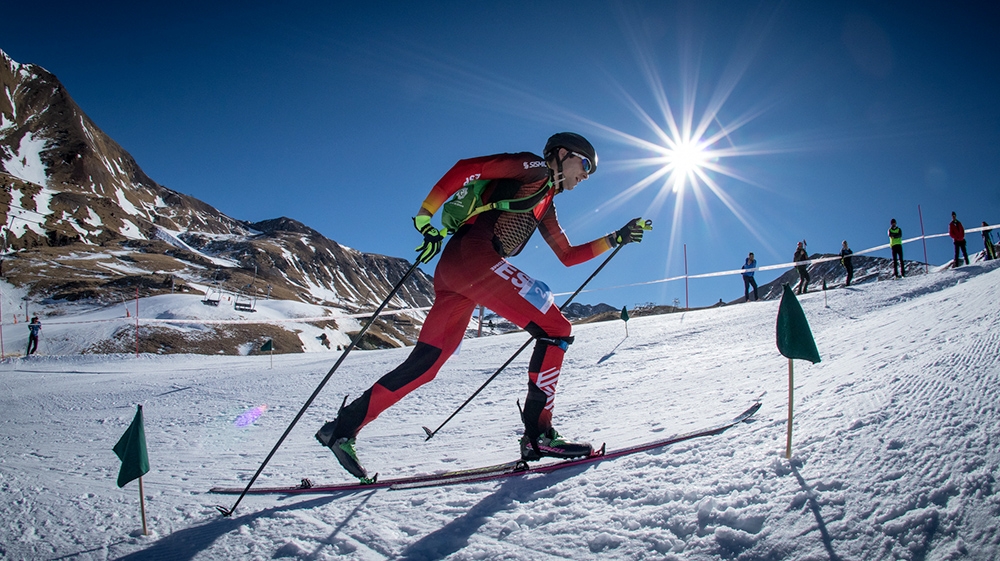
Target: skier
{"type": "Point", "coordinates": [34, 328]}
{"type": "Point", "coordinates": [801, 255]}
{"type": "Point", "coordinates": [896, 244]}
{"type": "Point", "coordinates": [845, 260]}
{"type": "Point", "coordinates": [474, 270]}
{"type": "Point", "coordinates": [957, 233]}
{"type": "Point", "coordinates": [748, 280]}
{"type": "Point", "coordinates": [989, 250]}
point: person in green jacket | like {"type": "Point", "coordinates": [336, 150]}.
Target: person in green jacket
{"type": "Point", "coordinates": [896, 244]}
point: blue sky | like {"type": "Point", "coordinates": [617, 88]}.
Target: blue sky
{"type": "Point", "coordinates": [826, 119]}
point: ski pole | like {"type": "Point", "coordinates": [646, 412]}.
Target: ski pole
{"type": "Point", "coordinates": [348, 349]}
{"type": "Point", "coordinates": [647, 225]}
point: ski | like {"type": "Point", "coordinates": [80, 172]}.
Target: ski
{"type": "Point", "coordinates": [494, 472]}
{"type": "Point", "coordinates": [306, 486]}
{"type": "Point", "coordinates": [598, 456]}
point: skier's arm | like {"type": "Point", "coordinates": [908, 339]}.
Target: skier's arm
{"type": "Point", "coordinates": [567, 253]}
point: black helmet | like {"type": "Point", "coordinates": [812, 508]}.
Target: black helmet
{"type": "Point", "coordinates": [574, 143]}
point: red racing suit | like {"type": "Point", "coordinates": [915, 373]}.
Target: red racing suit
{"type": "Point", "coordinates": [473, 270]}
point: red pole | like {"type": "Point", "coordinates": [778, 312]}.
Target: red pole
{"type": "Point", "coordinates": [137, 321]}
{"type": "Point", "coordinates": [1, 325]}
{"type": "Point", "coordinates": [923, 239]}
{"type": "Point", "coordinates": [687, 304]}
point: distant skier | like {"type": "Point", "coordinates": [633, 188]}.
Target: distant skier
{"type": "Point", "coordinates": [896, 244]}
{"type": "Point", "coordinates": [845, 260]}
{"type": "Point", "coordinates": [957, 233]}
{"type": "Point", "coordinates": [474, 271]}
{"type": "Point", "coordinates": [34, 329]}
{"type": "Point", "coordinates": [989, 250]}
{"type": "Point", "coordinates": [748, 280]}
{"type": "Point", "coordinates": [801, 255]}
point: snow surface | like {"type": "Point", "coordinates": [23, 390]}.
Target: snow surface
{"type": "Point", "coordinates": [895, 452]}
{"type": "Point", "coordinates": [27, 163]}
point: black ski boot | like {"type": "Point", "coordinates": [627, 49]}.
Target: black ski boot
{"type": "Point", "coordinates": [343, 448]}
{"type": "Point", "coordinates": [550, 444]}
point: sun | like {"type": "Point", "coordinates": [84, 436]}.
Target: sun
{"type": "Point", "coordinates": [687, 159]}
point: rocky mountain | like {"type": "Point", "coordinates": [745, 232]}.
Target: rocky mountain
{"type": "Point", "coordinates": [83, 222]}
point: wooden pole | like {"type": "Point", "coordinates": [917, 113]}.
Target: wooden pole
{"type": "Point", "coordinates": [142, 507]}
{"type": "Point", "coordinates": [788, 446]}
{"type": "Point", "coordinates": [137, 321]}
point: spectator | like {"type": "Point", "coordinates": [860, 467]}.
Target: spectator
{"type": "Point", "coordinates": [845, 260]}
{"type": "Point", "coordinates": [801, 255]}
{"type": "Point", "coordinates": [991, 252]}
{"type": "Point", "coordinates": [34, 328]}
{"type": "Point", "coordinates": [748, 281]}
{"type": "Point", "coordinates": [896, 244]}
{"type": "Point", "coordinates": [957, 233]}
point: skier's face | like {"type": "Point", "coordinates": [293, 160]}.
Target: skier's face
{"type": "Point", "coordinates": [573, 169]}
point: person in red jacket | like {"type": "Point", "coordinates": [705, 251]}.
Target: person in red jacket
{"type": "Point", "coordinates": [957, 233]}
{"type": "Point", "coordinates": [474, 271]}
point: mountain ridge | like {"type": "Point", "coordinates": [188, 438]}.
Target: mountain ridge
{"type": "Point", "coordinates": [84, 222]}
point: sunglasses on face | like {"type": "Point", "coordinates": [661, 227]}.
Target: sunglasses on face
{"type": "Point", "coordinates": [587, 165]}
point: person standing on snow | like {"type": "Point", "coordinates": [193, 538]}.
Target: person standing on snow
{"type": "Point", "coordinates": [474, 270]}
{"type": "Point", "coordinates": [801, 255]}
{"type": "Point", "coordinates": [748, 280]}
{"type": "Point", "coordinates": [896, 244]}
{"type": "Point", "coordinates": [957, 233]}
{"type": "Point", "coordinates": [845, 260]}
{"type": "Point", "coordinates": [988, 249]}
{"type": "Point", "coordinates": [34, 329]}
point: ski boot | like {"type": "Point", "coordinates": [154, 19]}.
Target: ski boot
{"type": "Point", "coordinates": [343, 449]}
{"type": "Point", "coordinates": [550, 444]}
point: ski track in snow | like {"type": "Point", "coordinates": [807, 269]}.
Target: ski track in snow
{"type": "Point", "coordinates": [894, 446]}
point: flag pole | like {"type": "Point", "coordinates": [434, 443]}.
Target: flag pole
{"type": "Point", "coordinates": [142, 507]}
{"type": "Point", "coordinates": [791, 376]}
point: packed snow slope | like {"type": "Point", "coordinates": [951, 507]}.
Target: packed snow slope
{"type": "Point", "coordinates": [896, 444]}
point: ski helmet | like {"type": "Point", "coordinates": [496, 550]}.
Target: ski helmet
{"type": "Point", "coordinates": [574, 143]}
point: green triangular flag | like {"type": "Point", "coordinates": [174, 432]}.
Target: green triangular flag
{"type": "Point", "coordinates": [268, 346]}
{"type": "Point", "coordinates": [131, 450]}
{"type": "Point", "coordinates": [795, 340]}
{"type": "Point", "coordinates": [624, 314]}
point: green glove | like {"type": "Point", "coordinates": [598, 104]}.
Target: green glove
{"type": "Point", "coordinates": [432, 238]}
{"type": "Point", "coordinates": [632, 232]}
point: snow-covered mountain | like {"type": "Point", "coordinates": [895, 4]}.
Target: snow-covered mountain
{"type": "Point", "coordinates": [83, 222]}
